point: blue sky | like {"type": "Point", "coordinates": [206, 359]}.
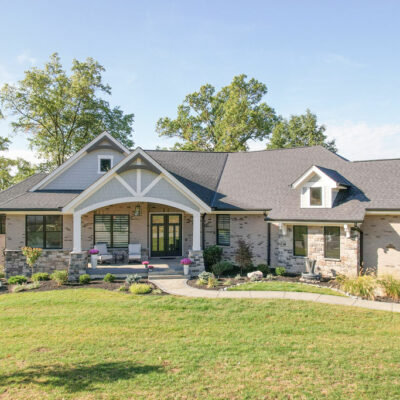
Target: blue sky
{"type": "Point", "coordinates": [341, 59]}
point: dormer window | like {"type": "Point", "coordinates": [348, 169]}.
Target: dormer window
{"type": "Point", "coordinates": [316, 196]}
{"type": "Point", "coordinates": [104, 164]}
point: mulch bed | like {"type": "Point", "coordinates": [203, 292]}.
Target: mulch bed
{"type": "Point", "coordinates": [51, 285]}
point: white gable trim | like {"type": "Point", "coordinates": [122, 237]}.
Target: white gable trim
{"type": "Point", "coordinates": [76, 157]}
{"type": "Point", "coordinates": [309, 173]}
{"type": "Point", "coordinates": [113, 172]}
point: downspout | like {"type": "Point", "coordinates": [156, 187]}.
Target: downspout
{"type": "Point", "coordinates": [203, 235]}
{"type": "Point", "coordinates": [269, 244]}
{"type": "Point", "coordinates": [361, 259]}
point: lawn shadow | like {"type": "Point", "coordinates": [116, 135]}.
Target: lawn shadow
{"type": "Point", "coordinates": [78, 377]}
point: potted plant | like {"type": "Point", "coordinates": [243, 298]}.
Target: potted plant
{"type": "Point", "coordinates": [93, 257]}
{"type": "Point", "coordinates": [31, 254]}
{"type": "Point", "coordinates": [186, 263]}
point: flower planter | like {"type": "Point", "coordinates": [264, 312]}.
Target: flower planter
{"type": "Point", "coordinates": [186, 269]}
{"type": "Point", "coordinates": [93, 260]}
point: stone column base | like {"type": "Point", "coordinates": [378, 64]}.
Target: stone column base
{"type": "Point", "coordinates": [198, 262]}
{"type": "Point", "coordinates": [78, 263]}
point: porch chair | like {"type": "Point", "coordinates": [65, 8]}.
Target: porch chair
{"type": "Point", "coordinates": [135, 252]}
{"type": "Point", "coordinates": [104, 255]}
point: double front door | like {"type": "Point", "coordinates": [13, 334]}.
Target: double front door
{"type": "Point", "coordinates": [166, 235]}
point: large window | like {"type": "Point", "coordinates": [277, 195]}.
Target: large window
{"type": "Point", "coordinates": [316, 196]}
{"type": "Point", "coordinates": [223, 230]}
{"type": "Point", "coordinates": [2, 224]}
{"type": "Point", "coordinates": [111, 229]}
{"type": "Point", "coordinates": [332, 242]}
{"type": "Point", "coordinates": [44, 231]}
{"type": "Point", "coordinates": [300, 240]}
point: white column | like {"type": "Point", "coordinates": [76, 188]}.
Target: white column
{"type": "Point", "coordinates": [196, 232]}
{"type": "Point", "coordinates": [77, 233]}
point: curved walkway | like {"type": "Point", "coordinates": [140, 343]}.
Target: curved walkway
{"type": "Point", "coordinates": [179, 287]}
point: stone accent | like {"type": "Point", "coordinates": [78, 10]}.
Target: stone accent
{"type": "Point", "coordinates": [77, 265]}
{"type": "Point", "coordinates": [49, 261]}
{"type": "Point", "coordinates": [198, 262]}
{"type": "Point", "coordinates": [349, 253]}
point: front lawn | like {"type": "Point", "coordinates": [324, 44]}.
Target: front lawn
{"type": "Point", "coordinates": [98, 344]}
{"type": "Point", "coordinates": [285, 286]}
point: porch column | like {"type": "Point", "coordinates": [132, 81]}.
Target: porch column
{"type": "Point", "coordinates": [77, 221]}
{"type": "Point", "coordinates": [196, 232]}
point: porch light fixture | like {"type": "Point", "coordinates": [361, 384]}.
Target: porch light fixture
{"type": "Point", "coordinates": [138, 210]}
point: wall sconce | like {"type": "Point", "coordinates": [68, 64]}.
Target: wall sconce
{"type": "Point", "coordinates": [138, 210]}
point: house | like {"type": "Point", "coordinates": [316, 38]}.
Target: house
{"type": "Point", "coordinates": [288, 204]}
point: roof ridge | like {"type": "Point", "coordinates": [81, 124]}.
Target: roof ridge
{"type": "Point", "coordinates": [219, 180]}
{"type": "Point", "coordinates": [377, 159]}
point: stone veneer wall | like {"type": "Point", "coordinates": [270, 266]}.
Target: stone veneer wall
{"type": "Point", "coordinates": [49, 261]}
{"type": "Point", "coordinates": [349, 253]}
{"type": "Point", "coordinates": [251, 228]}
{"type": "Point", "coordinates": [2, 248]}
{"type": "Point", "coordinates": [382, 244]}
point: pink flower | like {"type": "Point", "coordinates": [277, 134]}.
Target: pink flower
{"type": "Point", "coordinates": [186, 261]}
{"type": "Point", "coordinates": [93, 251]}
{"type": "Point", "coordinates": [146, 263]}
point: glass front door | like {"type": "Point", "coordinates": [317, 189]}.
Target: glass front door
{"type": "Point", "coordinates": [166, 235]}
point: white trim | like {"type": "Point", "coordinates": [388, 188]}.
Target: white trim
{"type": "Point", "coordinates": [151, 184]}
{"type": "Point", "coordinates": [382, 212]}
{"type": "Point", "coordinates": [311, 223]}
{"type": "Point", "coordinates": [77, 229]}
{"type": "Point", "coordinates": [308, 174]}
{"type": "Point", "coordinates": [27, 212]}
{"type": "Point", "coordinates": [104, 157]}
{"type": "Point", "coordinates": [126, 184]}
{"type": "Point", "coordinates": [75, 158]}
{"type": "Point", "coordinates": [240, 212]}
{"type": "Point", "coordinates": [106, 177]}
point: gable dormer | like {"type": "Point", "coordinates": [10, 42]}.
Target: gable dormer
{"type": "Point", "coordinates": [319, 187]}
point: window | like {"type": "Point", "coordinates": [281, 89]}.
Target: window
{"type": "Point", "coordinates": [2, 224]}
{"type": "Point", "coordinates": [44, 231]}
{"type": "Point", "coordinates": [300, 240]}
{"type": "Point", "coordinates": [111, 229]}
{"type": "Point", "coordinates": [332, 242]}
{"type": "Point", "coordinates": [105, 164]}
{"type": "Point", "coordinates": [223, 230]}
{"type": "Point", "coordinates": [316, 196]}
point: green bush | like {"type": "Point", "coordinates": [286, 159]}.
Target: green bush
{"type": "Point", "coordinates": [2, 275]}
{"type": "Point", "coordinates": [17, 280]}
{"type": "Point", "coordinates": [140, 288]}
{"type": "Point", "coordinates": [131, 279]}
{"type": "Point", "coordinates": [212, 282]}
{"type": "Point", "coordinates": [280, 271]}
{"type": "Point", "coordinates": [221, 268]}
{"type": "Point", "coordinates": [391, 287]}
{"type": "Point", "coordinates": [157, 291]}
{"type": "Point", "coordinates": [61, 277]}
{"type": "Point", "coordinates": [23, 288]}
{"type": "Point", "coordinates": [203, 278]}
{"type": "Point", "coordinates": [40, 276]}
{"type": "Point", "coordinates": [109, 278]}
{"type": "Point", "coordinates": [212, 255]}
{"type": "Point", "coordinates": [362, 286]}
{"type": "Point", "coordinates": [264, 268]}
{"type": "Point", "coordinates": [84, 279]}
{"type": "Point", "coordinates": [122, 288]}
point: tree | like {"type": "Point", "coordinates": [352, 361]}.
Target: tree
{"type": "Point", "coordinates": [13, 171]}
{"type": "Point", "coordinates": [221, 121]}
{"type": "Point", "coordinates": [243, 256]}
{"type": "Point", "coordinates": [300, 130]}
{"type": "Point", "coordinates": [60, 113]}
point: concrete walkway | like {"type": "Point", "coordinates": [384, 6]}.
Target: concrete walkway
{"type": "Point", "coordinates": [179, 287]}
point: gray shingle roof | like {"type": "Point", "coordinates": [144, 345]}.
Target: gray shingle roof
{"type": "Point", "coordinates": [258, 180]}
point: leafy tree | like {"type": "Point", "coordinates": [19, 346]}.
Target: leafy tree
{"type": "Point", "coordinates": [13, 170]}
{"type": "Point", "coordinates": [221, 121]}
{"type": "Point", "coordinates": [60, 113]}
{"type": "Point", "coordinates": [300, 130]}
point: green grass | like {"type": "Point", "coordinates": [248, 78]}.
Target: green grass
{"type": "Point", "coordinates": [97, 344]}
{"type": "Point", "coordinates": [285, 286]}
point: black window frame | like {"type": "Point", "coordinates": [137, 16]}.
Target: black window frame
{"type": "Point", "coordinates": [44, 231]}
{"type": "Point", "coordinates": [325, 242]}
{"type": "Point", "coordinates": [295, 227]}
{"type": "Point", "coordinates": [219, 242]}
{"type": "Point", "coordinates": [320, 190]}
{"type": "Point", "coordinates": [3, 218]}
{"type": "Point", "coordinates": [112, 230]}
{"type": "Point", "coordinates": [105, 158]}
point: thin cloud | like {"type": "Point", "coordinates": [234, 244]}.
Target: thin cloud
{"type": "Point", "coordinates": [26, 58]}
{"type": "Point", "coordinates": [333, 58]}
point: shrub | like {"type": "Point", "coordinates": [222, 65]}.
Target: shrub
{"type": "Point", "coordinates": [84, 279]}
{"type": "Point", "coordinates": [109, 278]}
{"type": "Point", "coordinates": [157, 291]}
{"type": "Point", "coordinates": [140, 288]}
{"type": "Point", "coordinates": [122, 288]}
{"type": "Point", "coordinates": [362, 286]}
{"type": "Point", "coordinates": [31, 254]}
{"type": "Point", "coordinates": [212, 282]}
{"type": "Point", "coordinates": [280, 271]}
{"type": "Point", "coordinates": [130, 279]}
{"type": "Point", "coordinates": [17, 280]}
{"type": "Point", "coordinates": [2, 275]}
{"type": "Point", "coordinates": [221, 268]}
{"type": "Point", "coordinates": [391, 287]}
{"type": "Point", "coordinates": [61, 277]}
{"type": "Point", "coordinates": [264, 268]}
{"type": "Point", "coordinates": [228, 282]}
{"type": "Point", "coordinates": [203, 278]}
{"type": "Point", "coordinates": [40, 276]}
{"type": "Point", "coordinates": [243, 256]}
{"type": "Point", "coordinates": [22, 288]}
{"type": "Point", "coordinates": [212, 255]}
